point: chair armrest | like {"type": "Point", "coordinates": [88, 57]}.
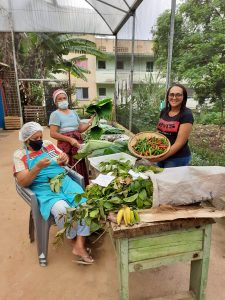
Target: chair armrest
{"type": "Point", "coordinates": [75, 176]}
{"type": "Point", "coordinates": [27, 195]}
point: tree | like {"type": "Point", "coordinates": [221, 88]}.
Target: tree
{"type": "Point", "coordinates": [199, 47]}
{"type": "Point", "coordinates": [41, 54]}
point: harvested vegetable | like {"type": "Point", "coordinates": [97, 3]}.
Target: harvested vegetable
{"type": "Point", "coordinates": [122, 191]}
{"type": "Point", "coordinates": [101, 109]}
{"type": "Point", "coordinates": [100, 147]}
{"type": "Point", "coordinates": [151, 146]}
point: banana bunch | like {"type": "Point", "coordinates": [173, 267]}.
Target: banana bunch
{"type": "Point", "coordinates": [130, 216]}
{"type": "Point", "coordinates": [56, 182]}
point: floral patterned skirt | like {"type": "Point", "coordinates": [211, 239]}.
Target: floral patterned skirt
{"type": "Point", "coordinates": [71, 151]}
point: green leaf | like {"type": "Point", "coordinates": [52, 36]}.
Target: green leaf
{"type": "Point", "coordinates": [94, 213]}
{"type": "Point", "coordinates": [131, 198]}
{"type": "Point", "coordinates": [108, 205]}
{"type": "Point", "coordinates": [115, 200]}
{"type": "Point", "coordinates": [77, 198]}
{"type": "Point", "coordinates": [139, 203]}
{"type": "Point", "coordinates": [94, 226]}
{"type": "Point", "coordinates": [143, 194]}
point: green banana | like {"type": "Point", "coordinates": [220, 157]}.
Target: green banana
{"type": "Point", "coordinates": [136, 217]}
{"type": "Point", "coordinates": [132, 218]}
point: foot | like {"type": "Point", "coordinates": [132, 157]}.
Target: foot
{"type": "Point", "coordinates": [83, 255]}
{"type": "Point", "coordinates": [84, 260]}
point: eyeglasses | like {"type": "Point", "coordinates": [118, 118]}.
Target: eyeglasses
{"type": "Point", "coordinates": [172, 95]}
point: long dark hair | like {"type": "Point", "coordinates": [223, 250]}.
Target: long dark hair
{"type": "Point", "coordinates": [183, 104]}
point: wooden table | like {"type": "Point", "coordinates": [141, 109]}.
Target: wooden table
{"type": "Point", "coordinates": [152, 245]}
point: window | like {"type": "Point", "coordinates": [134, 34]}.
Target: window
{"type": "Point", "coordinates": [120, 65]}
{"type": "Point", "coordinates": [102, 92]}
{"type": "Point", "coordinates": [82, 93]}
{"type": "Point", "coordinates": [101, 64]}
{"type": "Point", "coordinates": [149, 66]}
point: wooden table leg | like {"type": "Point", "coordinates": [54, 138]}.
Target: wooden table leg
{"type": "Point", "coordinates": [199, 268]}
{"type": "Point", "coordinates": [122, 261]}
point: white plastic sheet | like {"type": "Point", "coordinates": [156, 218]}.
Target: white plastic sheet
{"type": "Point", "coordinates": [186, 185]}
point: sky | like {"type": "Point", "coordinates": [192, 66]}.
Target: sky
{"type": "Point", "coordinates": [147, 14]}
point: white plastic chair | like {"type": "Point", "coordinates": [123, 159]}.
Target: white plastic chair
{"type": "Point", "coordinates": [38, 227]}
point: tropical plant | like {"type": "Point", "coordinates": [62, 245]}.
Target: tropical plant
{"type": "Point", "coordinates": [41, 54]}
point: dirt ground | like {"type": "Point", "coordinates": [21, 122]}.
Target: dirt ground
{"type": "Point", "coordinates": [21, 277]}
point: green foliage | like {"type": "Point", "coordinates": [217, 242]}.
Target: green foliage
{"type": "Point", "coordinates": [202, 156]}
{"type": "Point", "coordinates": [102, 109]}
{"type": "Point", "coordinates": [146, 105]}
{"type": "Point", "coordinates": [198, 53]}
{"type": "Point", "coordinates": [39, 54]}
{"type": "Point", "coordinates": [123, 190]}
{"type": "Point", "coordinates": [209, 116]}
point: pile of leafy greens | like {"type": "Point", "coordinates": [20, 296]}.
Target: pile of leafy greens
{"type": "Point", "coordinates": [99, 147]}
{"type": "Point", "coordinates": [102, 110]}
{"type": "Point", "coordinates": [123, 190]}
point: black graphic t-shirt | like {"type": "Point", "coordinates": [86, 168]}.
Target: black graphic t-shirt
{"type": "Point", "coordinates": [169, 126]}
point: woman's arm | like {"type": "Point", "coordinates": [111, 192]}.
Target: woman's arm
{"type": "Point", "coordinates": [54, 133]}
{"type": "Point", "coordinates": [83, 127]}
{"type": "Point", "coordinates": [26, 177]}
{"type": "Point", "coordinates": [182, 137]}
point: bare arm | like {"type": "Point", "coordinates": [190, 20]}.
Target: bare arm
{"type": "Point", "coordinates": [26, 177]}
{"type": "Point", "coordinates": [54, 133]}
{"type": "Point", "coordinates": [182, 137]}
{"type": "Point", "coordinates": [83, 127]}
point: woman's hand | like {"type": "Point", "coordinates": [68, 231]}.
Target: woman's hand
{"type": "Point", "coordinates": [62, 159]}
{"type": "Point", "coordinates": [91, 119]}
{"type": "Point", "coordinates": [74, 143]}
{"type": "Point", "coordinates": [43, 163]}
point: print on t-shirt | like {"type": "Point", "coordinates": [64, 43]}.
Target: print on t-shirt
{"type": "Point", "coordinates": [168, 126]}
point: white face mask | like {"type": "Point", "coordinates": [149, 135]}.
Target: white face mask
{"type": "Point", "coordinates": [63, 104]}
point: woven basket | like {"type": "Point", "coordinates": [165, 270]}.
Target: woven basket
{"type": "Point", "coordinates": [147, 134]}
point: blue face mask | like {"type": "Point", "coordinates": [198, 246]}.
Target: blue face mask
{"type": "Point", "coordinates": [36, 145]}
{"type": "Point", "coordinates": [63, 104]}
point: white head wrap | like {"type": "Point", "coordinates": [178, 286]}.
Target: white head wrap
{"type": "Point", "coordinates": [57, 92]}
{"type": "Point", "coordinates": [28, 129]}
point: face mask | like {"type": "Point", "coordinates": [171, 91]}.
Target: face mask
{"type": "Point", "coordinates": [36, 145]}
{"type": "Point", "coordinates": [63, 104]}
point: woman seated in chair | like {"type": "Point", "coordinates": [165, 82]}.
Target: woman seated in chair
{"type": "Point", "coordinates": [34, 165]}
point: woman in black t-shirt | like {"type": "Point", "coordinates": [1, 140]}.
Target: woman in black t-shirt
{"type": "Point", "coordinates": [175, 123]}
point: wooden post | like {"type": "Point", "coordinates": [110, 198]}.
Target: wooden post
{"type": "Point", "coordinates": [199, 268]}
{"type": "Point", "coordinates": [122, 261]}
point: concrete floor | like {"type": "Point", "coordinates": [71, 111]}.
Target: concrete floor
{"type": "Point", "coordinates": [21, 277]}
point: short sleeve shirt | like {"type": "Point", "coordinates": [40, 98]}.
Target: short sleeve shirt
{"type": "Point", "coordinates": [20, 156]}
{"type": "Point", "coordinates": [169, 126]}
{"type": "Point", "coordinates": [65, 122]}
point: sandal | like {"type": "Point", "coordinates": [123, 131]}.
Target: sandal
{"type": "Point", "coordinates": [84, 260]}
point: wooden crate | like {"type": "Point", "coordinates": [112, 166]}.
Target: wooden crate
{"type": "Point", "coordinates": [13, 122]}
{"type": "Point", "coordinates": [36, 114]}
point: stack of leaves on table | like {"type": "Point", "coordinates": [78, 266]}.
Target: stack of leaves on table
{"type": "Point", "coordinates": [121, 192]}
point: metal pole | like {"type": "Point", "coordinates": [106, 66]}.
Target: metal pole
{"type": "Point", "coordinates": [116, 92]}
{"type": "Point", "coordinates": [170, 44]}
{"type": "Point", "coordinates": [132, 74]}
{"type": "Point", "coordinates": [14, 59]}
